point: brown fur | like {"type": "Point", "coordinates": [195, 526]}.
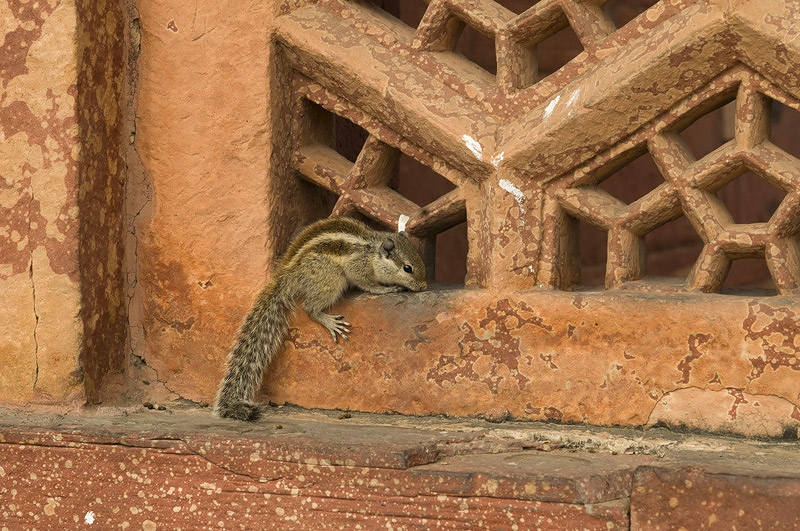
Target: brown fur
{"type": "Point", "coordinates": [324, 260]}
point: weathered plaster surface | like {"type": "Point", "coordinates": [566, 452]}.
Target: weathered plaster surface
{"type": "Point", "coordinates": [202, 138]}
{"type": "Point", "coordinates": [727, 409]}
{"type": "Point", "coordinates": [17, 337]}
{"type": "Point", "coordinates": [61, 175]}
{"type": "Point", "coordinates": [39, 201]}
{"type": "Point", "coordinates": [101, 100]}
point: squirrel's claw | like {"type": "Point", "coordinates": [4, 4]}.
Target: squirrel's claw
{"type": "Point", "coordinates": [335, 325]}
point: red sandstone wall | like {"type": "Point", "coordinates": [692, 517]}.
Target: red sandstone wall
{"type": "Point", "coordinates": [218, 197]}
{"type": "Point", "coordinates": [164, 242]}
{"type": "Point", "coordinates": [40, 330]}
{"type": "Point", "coordinates": [203, 138]}
{"type": "Point", "coordinates": [62, 314]}
{"type": "Point", "coordinates": [103, 40]}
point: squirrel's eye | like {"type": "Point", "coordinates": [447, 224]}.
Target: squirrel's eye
{"type": "Point", "coordinates": [407, 268]}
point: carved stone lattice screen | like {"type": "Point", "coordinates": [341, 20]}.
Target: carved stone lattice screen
{"type": "Point", "coordinates": [526, 153]}
{"type": "Point", "coordinates": [689, 189]}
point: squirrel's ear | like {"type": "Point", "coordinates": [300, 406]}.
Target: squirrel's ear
{"type": "Point", "coordinates": [387, 247]}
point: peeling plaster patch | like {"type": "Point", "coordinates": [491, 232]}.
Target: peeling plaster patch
{"type": "Point", "coordinates": [474, 146]}
{"type": "Point", "coordinates": [509, 187]}
{"type": "Point", "coordinates": [497, 158]}
{"type": "Point", "coordinates": [685, 364]}
{"type": "Point", "coordinates": [550, 106]}
{"type": "Point", "coordinates": [490, 349]}
{"type": "Point", "coordinates": [401, 223]}
{"type": "Point", "coordinates": [738, 399]}
{"type": "Point", "coordinates": [773, 331]}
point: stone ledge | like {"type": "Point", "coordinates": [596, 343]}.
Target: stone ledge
{"type": "Point", "coordinates": [573, 357]}
{"type": "Point", "coordinates": [179, 468]}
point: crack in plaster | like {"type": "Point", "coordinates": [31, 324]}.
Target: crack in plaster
{"type": "Point", "coordinates": [142, 362]}
{"type": "Point", "coordinates": [164, 383]}
{"type": "Point", "coordinates": [132, 275]}
{"type": "Point", "coordinates": [664, 394]}
{"type": "Point", "coordinates": [35, 330]}
{"type": "Point", "coordinates": [132, 279]}
{"type": "Point", "coordinates": [33, 293]}
{"type": "Point", "coordinates": [145, 198]}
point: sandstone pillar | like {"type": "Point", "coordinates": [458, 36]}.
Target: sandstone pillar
{"type": "Point", "coordinates": [61, 171]}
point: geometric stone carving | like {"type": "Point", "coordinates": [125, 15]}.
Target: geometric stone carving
{"type": "Point", "coordinates": [690, 189]}
{"type": "Point", "coordinates": [526, 157]}
{"type": "Point", "coordinates": [750, 198]}
{"type": "Point", "coordinates": [363, 186]}
{"type": "Point", "coordinates": [514, 157]}
{"type": "Point", "coordinates": [519, 40]}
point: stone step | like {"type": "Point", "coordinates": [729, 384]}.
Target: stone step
{"type": "Point", "coordinates": [300, 469]}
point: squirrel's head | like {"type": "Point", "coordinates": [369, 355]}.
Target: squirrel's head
{"type": "Point", "coordinates": [399, 263]}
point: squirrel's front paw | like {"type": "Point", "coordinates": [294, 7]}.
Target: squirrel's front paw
{"type": "Point", "coordinates": [335, 325]}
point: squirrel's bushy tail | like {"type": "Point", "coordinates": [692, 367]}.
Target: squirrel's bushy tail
{"type": "Point", "coordinates": [260, 337]}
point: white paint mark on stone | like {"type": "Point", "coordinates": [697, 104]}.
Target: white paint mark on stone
{"type": "Point", "coordinates": [89, 518]}
{"type": "Point", "coordinates": [509, 187]}
{"type": "Point", "coordinates": [573, 97]}
{"type": "Point", "coordinates": [474, 146]}
{"type": "Point", "coordinates": [497, 158]}
{"type": "Point", "coordinates": [550, 106]}
{"type": "Point", "coordinates": [401, 223]}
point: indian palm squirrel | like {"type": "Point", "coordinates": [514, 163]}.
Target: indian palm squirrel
{"type": "Point", "coordinates": [324, 260]}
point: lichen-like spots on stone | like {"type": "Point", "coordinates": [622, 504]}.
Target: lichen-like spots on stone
{"type": "Point", "coordinates": [773, 331]}
{"type": "Point", "coordinates": [491, 352]}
